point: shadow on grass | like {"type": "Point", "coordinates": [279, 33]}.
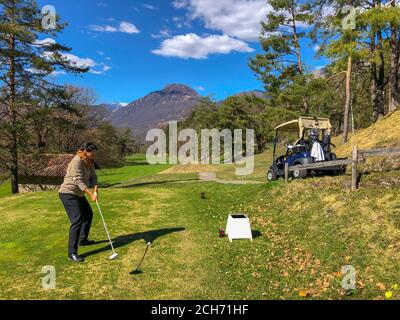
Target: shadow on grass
{"type": "Point", "coordinates": [148, 236]}
{"type": "Point", "coordinates": [108, 185]}
{"type": "Point", "coordinates": [141, 184]}
{"type": "Point", "coordinates": [256, 234]}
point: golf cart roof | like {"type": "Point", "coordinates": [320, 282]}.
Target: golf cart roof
{"type": "Point", "coordinates": [304, 123]}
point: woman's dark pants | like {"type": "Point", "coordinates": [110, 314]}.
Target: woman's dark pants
{"type": "Point", "coordinates": [80, 215]}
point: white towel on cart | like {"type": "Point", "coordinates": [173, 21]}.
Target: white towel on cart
{"type": "Point", "coordinates": [317, 152]}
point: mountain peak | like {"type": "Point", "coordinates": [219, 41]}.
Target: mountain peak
{"type": "Point", "coordinates": [177, 88]}
{"type": "Point", "coordinates": [173, 103]}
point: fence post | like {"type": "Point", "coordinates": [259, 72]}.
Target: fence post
{"type": "Point", "coordinates": [286, 173]}
{"type": "Point", "coordinates": [354, 174]}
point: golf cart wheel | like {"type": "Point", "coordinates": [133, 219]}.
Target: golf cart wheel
{"type": "Point", "coordinates": [299, 174]}
{"type": "Point", "coordinates": [271, 176]}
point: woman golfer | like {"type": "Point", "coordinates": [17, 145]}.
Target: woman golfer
{"type": "Point", "coordinates": [78, 181]}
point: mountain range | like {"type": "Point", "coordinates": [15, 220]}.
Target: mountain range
{"type": "Point", "coordinates": [173, 103]}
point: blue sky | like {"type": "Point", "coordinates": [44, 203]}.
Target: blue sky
{"type": "Point", "coordinates": [134, 47]}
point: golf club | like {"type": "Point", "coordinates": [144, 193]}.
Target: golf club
{"type": "Point", "coordinates": [114, 254]}
{"type": "Point", "coordinates": [137, 270]}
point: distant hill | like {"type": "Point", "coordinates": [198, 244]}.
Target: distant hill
{"type": "Point", "coordinates": [114, 106]}
{"type": "Point", "coordinates": [174, 102]}
{"type": "Point", "coordinates": [320, 73]}
{"type": "Point", "coordinates": [257, 93]}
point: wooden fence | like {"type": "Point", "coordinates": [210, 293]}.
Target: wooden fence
{"type": "Point", "coordinates": [357, 156]}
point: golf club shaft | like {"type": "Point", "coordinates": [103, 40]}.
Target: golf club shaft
{"type": "Point", "coordinates": [140, 263]}
{"type": "Point", "coordinates": [105, 226]}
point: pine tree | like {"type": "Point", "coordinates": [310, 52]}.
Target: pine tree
{"type": "Point", "coordinates": [345, 47]}
{"type": "Point", "coordinates": [281, 35]}
{"type": "Point", "coordinates": [393, 16]}
{"type": "Point", "coordinates": [25, 62]}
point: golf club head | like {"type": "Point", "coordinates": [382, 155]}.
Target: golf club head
{"type": "Point", "coordinates": [113, 256]}
{"type": "Point", "coordinates": [137, 271]}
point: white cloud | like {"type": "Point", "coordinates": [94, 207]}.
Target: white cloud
{"type": "Point", "coordinates": [103, 70]}
{"type": "Point", "coordinates": [179, 4]}
{"type": "Point", "coordinates": [73, 59]}
{"type": "Point", "coordinates": [165, 33]}
{"type": "Point", "coordinates": [180, 22]}
{"type": "Point", "coordinates": [106, 68]}
{"type": "Point", "coordinates": [193, 46]}
{"type": "Point", "coordinates": [95, 71]}
{"type": "Point", "coordinates": [128, 27]}
{"type": "Point", "coordinates": [124, 27]}
{"type": "Point", "coordinates": [149, 6]}
{"type": "Point", "coordinates": [103, 28]}
{"type": "Point", "coordinates": [200, 88]}
{"type": "Point", "coordinates": [56, 73]}
{"type": "Point", "coordinates": [238, 18]}
{"type": "Point", "coordinates": [45, 42]}
{"type": "Point", "coordinates": [79, 63]}
{"type": "Point", "coordinates": [39, 72]}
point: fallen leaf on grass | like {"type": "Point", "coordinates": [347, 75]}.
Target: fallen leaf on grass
{"type": "Point", "coordinates": [303, 294]}
{"type": "Point", "coordinates": [361, 285]}
{"type": "Point", "coordinates": [381, 286]}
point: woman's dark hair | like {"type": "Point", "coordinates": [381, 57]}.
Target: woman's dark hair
{"type": "Point", "coordinates": [88, 146]}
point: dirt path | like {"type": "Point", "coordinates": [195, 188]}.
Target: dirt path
{"type": "Point", "coordinates": [212, 176]}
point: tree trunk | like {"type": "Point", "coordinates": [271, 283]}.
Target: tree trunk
{"type": "Point", "coordinates": [13, 114]}
{"type": "Point", "coordinates": [13, 120]}
{"type": "Point", "coordinates": [380, 94]}
{"type": "Point", "coordinates": [348, 100]}
{"type": "Point", "coordinates": [394, 68]}
{"type": "Point", "coordinates": [373, 85]}
{"type": "Point", "coordinates": [298, 55]}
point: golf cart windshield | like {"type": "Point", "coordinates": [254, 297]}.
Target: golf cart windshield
{"type": "Point", "coordinates": [306, 123]}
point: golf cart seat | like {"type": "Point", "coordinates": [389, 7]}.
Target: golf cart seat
{"type": "Point", "coordinates": [298, 148]}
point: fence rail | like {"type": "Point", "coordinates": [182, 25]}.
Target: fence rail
{"type": "Point", "coordinates": [379, 152]}
{"type": "Point", "coordinates": [357, 156]}
{"type": "Point", "coordinates": [322, 164]}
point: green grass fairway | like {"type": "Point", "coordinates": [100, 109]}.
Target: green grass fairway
{"type": "Point", "coordinates": [136, 167]}
{"type": "Point", "coordinates": [5, 188]}
{"type": "Point", "coordinates": [304, 234]}
{"type": "Point", "coordinates": [114, 176]}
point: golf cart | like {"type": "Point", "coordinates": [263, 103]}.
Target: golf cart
{"type": "Point", "coordinates": [313, 145]}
